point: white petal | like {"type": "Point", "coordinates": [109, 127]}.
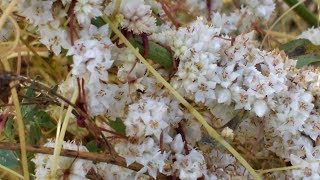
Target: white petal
{"type": "Point", "coordinates": [177, 144]}
{"type": "Point", "coordinates": [260, 107]}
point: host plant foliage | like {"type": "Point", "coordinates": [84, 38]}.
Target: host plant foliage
{"type": "Point", "coordinates": [259, 102]}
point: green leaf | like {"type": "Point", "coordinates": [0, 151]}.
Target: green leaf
{"type": "Point", "coordinates": [92, 146]}
{"type": "Point", "coordinates": [295, 48]}
{"type": "Point", "coordinates": [307, 60]}
{"type": "Point", "coordinates": [35, 134]}
{"type": "Point", "coordinates": [9, 159]}
{"type": "Point", "coordinates": [43, 119]}
{"type": "Point", "coordinates": [98, 22]}
{"type": "Point", "coordinates": [118, 126]}
{"type": "Point", "coordinates": [9, 129]}
{"type": "Point", "coordinates": [30, 92]}
{"type": "Point", "coordinates": [303, 51]}
{"type": "Point", "coordinates": [31, 164]}
{"type": "Point", "coordinates": [36, 118]}
{"type": "Point", "coordinates": [157, 53]}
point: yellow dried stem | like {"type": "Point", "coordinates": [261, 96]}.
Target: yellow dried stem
{"type": "Point", "coordinates": [264, 171]}
{"type": "Point", "coordinates": [19, 122]}
{"type": "Point", "coordinates": [61, 134]}
{"type": "Point", "coordinates": [11, 171]}
{"type": "Point", "coordinates": [14, 94]}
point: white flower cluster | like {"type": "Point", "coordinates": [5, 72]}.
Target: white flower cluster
{"type": "Point", "coordinates": [136, 16]}
{"type": "Point", "coordinates": [261, 8]}
{"type": "Point", "coordinates": [221, 75]}
{"type": "Point", "coordinates": [47, 23]}
{"type": "Point", "coordinates": [242, 19]}
{"type": "Point", "coordinates": [78, 168]}
{"type": "Point", "coordinates": [213, 70]}
{"type": "Point", "coordinates": [92, 58]}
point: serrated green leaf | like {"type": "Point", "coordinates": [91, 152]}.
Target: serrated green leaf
{"type": "Point", "coordinates": [43, 119]}
{"type": "Point", "coordinates": [118, 126]}
{"type": "Point", "coordinates": [156, 53]}
{"type": "Point", "coordinates": [35, 117]}
{"type": "Point", "coordinates": [307, 60]}
{"type": "Point", "coordinates": [9, 159]}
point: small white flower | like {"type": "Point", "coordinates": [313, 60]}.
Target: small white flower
{"type": "Point", "coordinates": [226, 23]}
{"type": "Point", "coordinates": [151, 113]}
{"type": "Point", "coordinates": [223, 96]}
{"type": "Point", "coordinates": [87, 9]}
{"type": "Point", "coordinates": [260, 107]}
{"type": "Point", "coordinates": [177, 144]}
{"type": "Point", "coordinates": [54, 37]}
{"type": "Point", "coordinates": [190, 166]}
{"type": "Point", "coordinates": [38, 12]}
{"type": "Point", "coordinates": [227, 133]}
{"type": "Point", "coordinates": [137, 17]}
{"type": "Point", "coordinates": [308, 170]}
{"type": "Point", "coordinates": [261, 8]}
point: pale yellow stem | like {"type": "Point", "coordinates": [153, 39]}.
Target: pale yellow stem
{"type": "Point", "coordinates": [11, 171]}
{"type": "Point", "coordinates": [278, 169]}
{"type": "Point", "coordinates": [281, 34]}
{"type": "Point", "coordinates": [19, 122]}
{"type": "Point", "coordinates": [58, 143]}
{"type": "Point", "coordinates": [7, 12]}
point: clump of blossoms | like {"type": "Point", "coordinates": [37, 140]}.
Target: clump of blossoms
{"type": "Point", "coordinates": [76, 168]}
{"type": "Point", "coordinates": [265, 106]}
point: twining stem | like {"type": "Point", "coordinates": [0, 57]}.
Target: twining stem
{"type": "Point", "coordinates": [10, 8]}
{"type": "Point", "coordinates": [213, 133]}
{"type": "Point", "coordinates": [19, 122]}
{"type": "Point", "coordinates": [7, 12]}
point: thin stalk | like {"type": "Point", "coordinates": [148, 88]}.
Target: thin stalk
{"type": "Point", "coordinates": [304, 13]}
{"type": "Point", "coordinates": [20, 123]}
{"type": "Point", "coordinates": [58, 143]}
{"type": "Point", "coordinates": [11, 171]}
{"type": "Point", "coordinates": [278, 20]}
